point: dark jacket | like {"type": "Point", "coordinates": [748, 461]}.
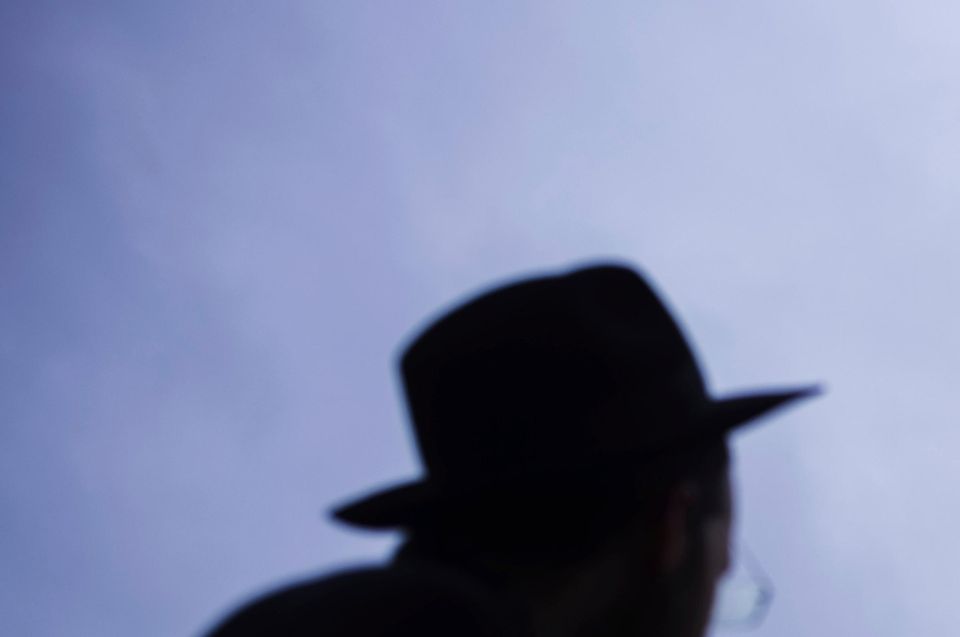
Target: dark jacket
{"type": "Point", "coordinates": [405, 598]}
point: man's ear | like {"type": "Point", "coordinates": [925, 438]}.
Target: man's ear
{"type": "Point", "coordinates": [674, 527]}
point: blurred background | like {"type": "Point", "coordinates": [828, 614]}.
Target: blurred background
{"type": "Point", "coordinates": [220, 220]}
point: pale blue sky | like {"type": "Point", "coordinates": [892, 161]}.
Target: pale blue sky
{"type": "Point", "coordinates": [219, 220]}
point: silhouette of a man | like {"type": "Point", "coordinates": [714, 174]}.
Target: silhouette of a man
{"type": "Point", "coordinates": [577, 479]}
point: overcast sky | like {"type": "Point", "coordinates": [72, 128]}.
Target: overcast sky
{"type": "Point", "coordinates": [219, 220]}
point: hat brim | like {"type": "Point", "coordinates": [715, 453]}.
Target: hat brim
{"type": "Point", "coordinates": [408, 503]}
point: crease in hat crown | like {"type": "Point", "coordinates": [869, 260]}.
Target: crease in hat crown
{"type": "Point", "coordinates": [549, 375]}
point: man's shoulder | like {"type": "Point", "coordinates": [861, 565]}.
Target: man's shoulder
{"type": "Point", "coordinates": [385, 601]}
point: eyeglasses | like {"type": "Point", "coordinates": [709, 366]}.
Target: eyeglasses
{"type": "Point", "coordinates": [744, 595]}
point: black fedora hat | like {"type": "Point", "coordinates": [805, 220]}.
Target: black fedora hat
{"type": "Point", "coordinates": [546, 379]}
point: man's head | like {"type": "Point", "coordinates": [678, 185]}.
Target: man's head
{"type": "Point", "coordinates": [563, 421]}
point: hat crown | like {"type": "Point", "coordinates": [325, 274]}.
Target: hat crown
{"type": "Point", "coordinates": [549, 371]}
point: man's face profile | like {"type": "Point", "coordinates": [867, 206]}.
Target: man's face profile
{"type": "Point", "coordinates": [691, 555]}
{"type": "Point", "coordinates": [716, 531]}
